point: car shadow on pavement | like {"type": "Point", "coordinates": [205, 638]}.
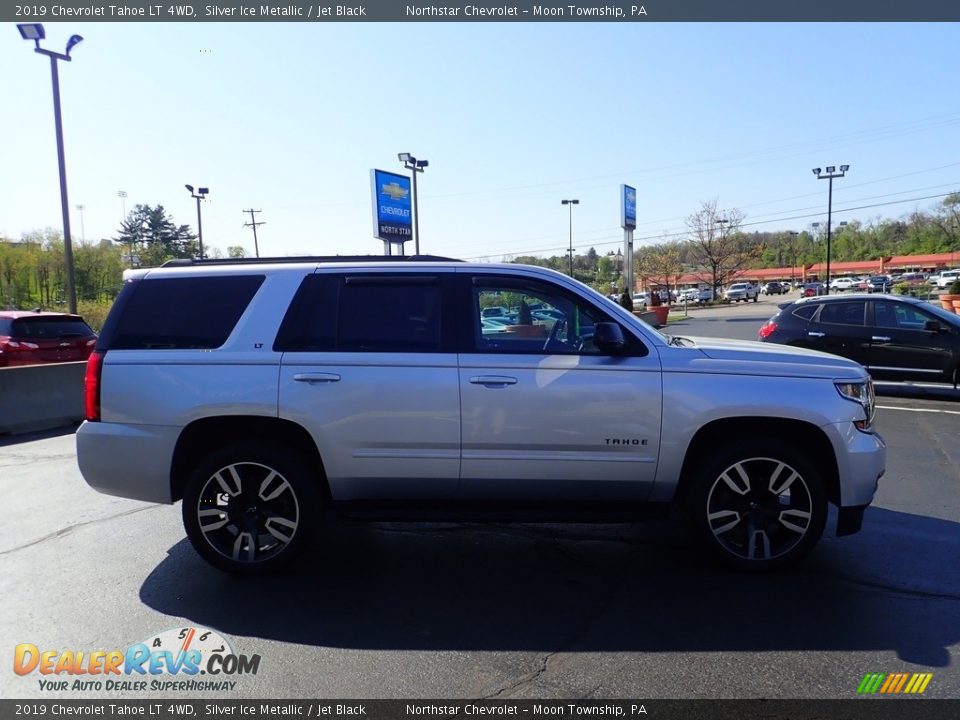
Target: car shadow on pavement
{"type": "Point", "coordinates": [583, 589]}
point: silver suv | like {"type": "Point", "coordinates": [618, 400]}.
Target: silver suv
{"type": "Point", "coordinates": [260, 393]}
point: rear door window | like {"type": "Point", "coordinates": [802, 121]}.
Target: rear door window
{"type": "Point", "coordinates": [843, 313]}
{"type": "Point", "coordinates": [368, 313]}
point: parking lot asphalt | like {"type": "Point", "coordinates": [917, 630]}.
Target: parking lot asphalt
{"type": "Point", "coordinates": [391, 610]}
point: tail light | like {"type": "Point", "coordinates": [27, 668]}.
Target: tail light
{"type": "Point", "coordinates": [766, 330]}
{"type": "Point", "coordinates": [91, 386]}
{"type": "Point", "coordinates": [9, 345]}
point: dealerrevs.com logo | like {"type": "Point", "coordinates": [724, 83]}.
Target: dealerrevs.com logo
{"type": "Point", "coordinates": [894, 683]}
{"type": "Point", "coordinates": [187, 659]}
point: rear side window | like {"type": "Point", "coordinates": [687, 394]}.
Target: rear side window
{"type": "Point", "coordinates": [50, 328]}
{"type": "Point", "coordinates": [805, 311]}
{"type": "Point", "coordinates": [186, 313]}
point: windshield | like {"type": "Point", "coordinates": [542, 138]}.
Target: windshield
{"type": "Point", "coordinates": [942, 315]}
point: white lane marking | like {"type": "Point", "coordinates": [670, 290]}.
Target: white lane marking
{"type": "Point", "coordinates": [927, 410]}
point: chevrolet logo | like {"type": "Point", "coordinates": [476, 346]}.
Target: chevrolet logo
{"type": "Point", "coordinates": [394, 191]}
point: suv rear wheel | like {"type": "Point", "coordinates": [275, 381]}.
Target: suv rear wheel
{"type": "Point", "coordinates": [248, 508]}
{"type": "Point", "coordinates": [758, 506]}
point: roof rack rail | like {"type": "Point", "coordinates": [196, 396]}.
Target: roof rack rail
{"type": "Point", "coordinates": [183, 262]}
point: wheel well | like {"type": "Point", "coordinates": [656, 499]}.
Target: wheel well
{"type": "Point", "coordinates": [809, 438]}
{"type": "Point", "coordinates": [200, 437]}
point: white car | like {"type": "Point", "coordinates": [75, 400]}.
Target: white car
{"type": "Point", "coordinates": [742, 291]}
{"type": "Point", "coordinates": [946, 278]}
{"type": "Point", "coordinates": [843, 283]}
{"type": "Point", "coordinates": [694, 295]}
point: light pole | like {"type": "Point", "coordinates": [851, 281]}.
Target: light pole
{"type": "Point", "coordinates": [831, 174]}
{"type": "Point", "coordinates": [122, 194]}
{"type": "Point", "coordinates": [35, 32]}
{"type": "Point", "coordinates": [83, 232]}
{"type": "Point", "coordinates": [793, 255]}
{"type": "Point", "coordinates": [200, 194]}
{"type": "Point", "coordinates": [416, 166]}
{"type": "Point", "coordinates": [570, 204]}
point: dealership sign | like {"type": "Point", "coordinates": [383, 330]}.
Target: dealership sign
{"type": "Point", "coordinates": [392, 214]}
{"type": "Point", "coordinates": [628, 207]}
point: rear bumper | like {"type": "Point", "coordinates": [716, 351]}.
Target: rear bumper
{"type": "Point", "coordinates": [130, 461]}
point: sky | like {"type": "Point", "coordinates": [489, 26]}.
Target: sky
{"type": "Point", "coordinates": [289, 119]}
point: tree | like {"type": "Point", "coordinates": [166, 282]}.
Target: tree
{"type": "Point", "coordinates": [150, 237]}
{"type": "Point", "coordinates": [236, 251]}
{"type": "Point", "coordinates": [660, 265]}
{"type": "Point", "coordinates": [717, 246]}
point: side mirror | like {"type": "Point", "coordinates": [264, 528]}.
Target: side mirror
{"type": "Point", "coordinates": [932, 326]}
{"type": "Point", "coordinates": [608, 338]}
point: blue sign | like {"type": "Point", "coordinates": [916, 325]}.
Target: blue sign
{"type": "Point", "coordinates": [392, 210]}
{"type": "Point", "coordinates": [628, 207]}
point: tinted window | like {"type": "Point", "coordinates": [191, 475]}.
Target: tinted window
{"type": "Point", "coordinates": [46, 327]}
{"type": "Point", "coordinates": [183, 313]}
{"type": "Point", "coordinates": [389, 318]}
{"type": "Point", "coordinates": [364, 314]}
{"type": "Point", "coordinates": [843, 313]}
{"type": "Point", "coordinates": [806, 311]}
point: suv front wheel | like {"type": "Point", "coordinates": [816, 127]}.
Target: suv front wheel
{"type": "Point", "coordinates": [758, 506]}
{"type": "Point", "coordinates": [248, 508]}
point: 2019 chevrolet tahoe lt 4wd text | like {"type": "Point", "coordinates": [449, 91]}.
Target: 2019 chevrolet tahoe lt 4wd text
{"type": "Point", "coordinates": [259, 393]}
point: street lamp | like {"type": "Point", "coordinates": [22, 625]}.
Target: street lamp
{"type": "Point", "coordinates": [35, 32]}
{"type": "Point", "coordinates": [83, 233]}
{"type": "Point", "coordinates": [416, 166]}
{"type": "Point", "coordinates": [830, 175]}
{"type": "Point", "coordinates": [122, 194]}
{"type": "Point", "coordinates": [793, 254]}
{"type": "Point", "coordinates": [570, 203]}
{"type": "Point", "coordinates": [200, 194]}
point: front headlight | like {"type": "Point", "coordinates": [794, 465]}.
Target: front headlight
{"type": "Point", "coordinates": [860, 392]}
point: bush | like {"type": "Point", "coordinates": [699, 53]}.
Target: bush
{"type": "Point", "coordinates": [95, 313]}
{"type": "Point", "coordinates": [901, 289]}
{"type": "Point", "coordinates": [626, 301]}
{"type": "Point", "coordinates": [655, 298]}
{"type": "Point", "coordinates": [954, 288]}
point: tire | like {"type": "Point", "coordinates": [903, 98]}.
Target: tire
{"type": "Point", "coordinates": [751, 527]}
{"type": "Point", "coordinates": [249, 508]}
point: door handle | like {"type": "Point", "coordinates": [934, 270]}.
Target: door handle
{"type": "Point", "coordinates": [815, 334]}
{"type": "Point", "coordinates": [880, 338]}
{"type": "Point", "coordinates": [493, 380]}
{"type": "Point", "coordinates": [314, 378]}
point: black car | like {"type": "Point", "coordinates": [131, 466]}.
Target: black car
{"type": "Point", "coordinates": [895, 338]}
{"type": "Point", "coordinates": [878, 283]}
{"type": "Point", "coordinates": [772, 288]}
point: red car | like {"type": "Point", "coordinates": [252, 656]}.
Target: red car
{"type": "Point", "coordinates": [28, 338]}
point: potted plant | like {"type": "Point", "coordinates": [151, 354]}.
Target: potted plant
{"type": "Point", "coordinates": [952, 293]}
